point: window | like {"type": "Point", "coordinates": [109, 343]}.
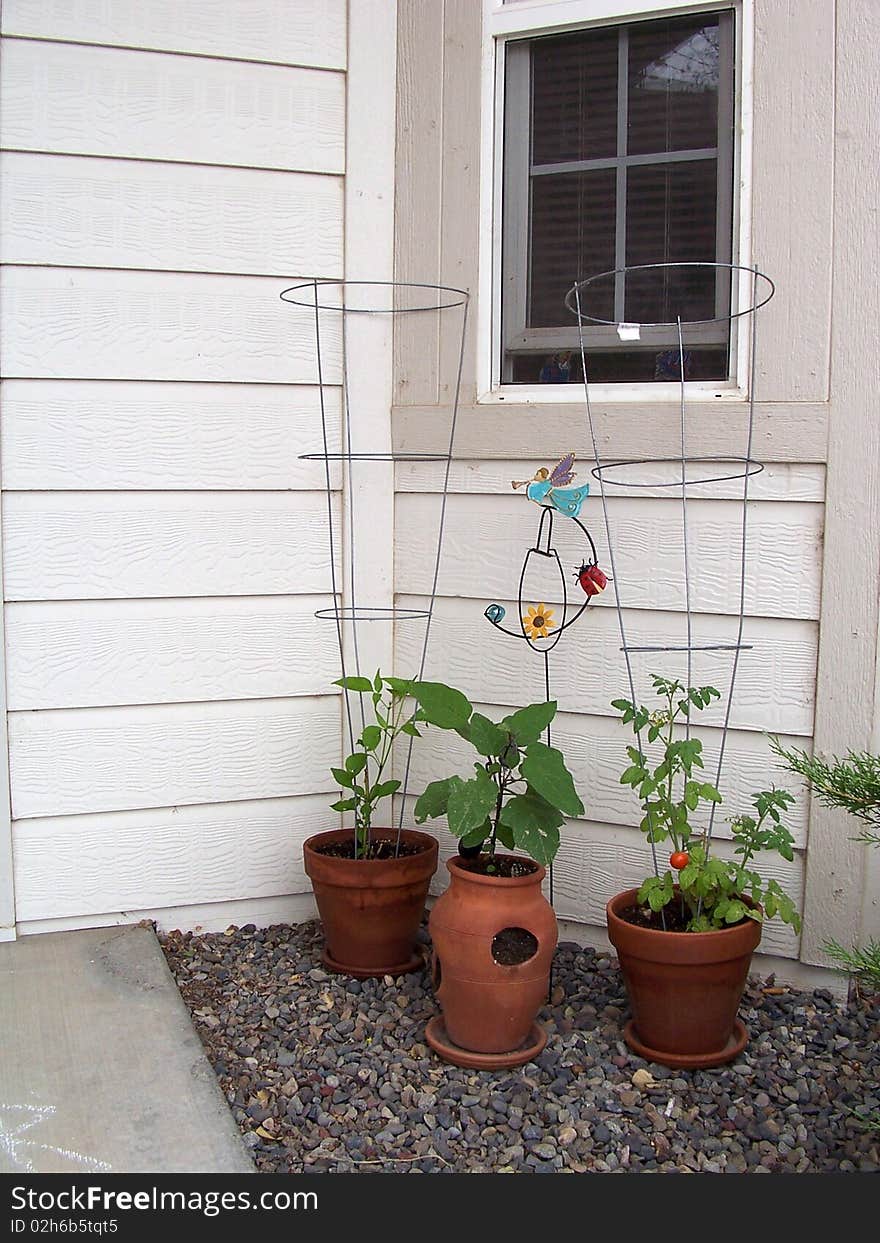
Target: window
{"type": "Point", "coordinates": [618, 150]}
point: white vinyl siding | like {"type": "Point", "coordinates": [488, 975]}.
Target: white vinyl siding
{"type": "Point", "coordinates": [167, 169]}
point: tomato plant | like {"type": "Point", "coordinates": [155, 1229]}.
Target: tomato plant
{"type": "Point", "coordinates": [710, 889]}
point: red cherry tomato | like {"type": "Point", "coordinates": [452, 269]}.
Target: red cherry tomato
{"type": "Point", "coordinates": [679, 860]}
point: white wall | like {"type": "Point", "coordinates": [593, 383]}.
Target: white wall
{"type": "Point", "coordinates": [167, 169]}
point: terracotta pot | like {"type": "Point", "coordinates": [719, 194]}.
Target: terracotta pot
{"type": "Point", "coordinates": [684, 988]}
{"type": "Point", "coordinates": [371, 908]}
{"type": "Point", "coordinates": [489, 1008]}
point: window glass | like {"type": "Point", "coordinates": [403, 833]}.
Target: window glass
{"type": "Point", "coordinates": [618, 151]}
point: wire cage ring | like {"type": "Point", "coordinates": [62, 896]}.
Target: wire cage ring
{"type": "Point", "coordinates": [574, 298]}
{"type": "Point", "coordinates": [749, 466]}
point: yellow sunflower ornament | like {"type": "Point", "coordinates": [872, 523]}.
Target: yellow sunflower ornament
{"type": "Point", "coordinates": [538, 622]}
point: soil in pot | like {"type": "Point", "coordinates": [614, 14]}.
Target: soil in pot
{"type": "Point", "coordinates": [381, 850]}
{"type": "Point", "coordinates": [676, 919]}
{"type": "Point", "coordinates": [500, 865]}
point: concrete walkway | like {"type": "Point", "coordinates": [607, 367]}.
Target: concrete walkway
{"type": "Point", "coordinates": [100, 1068]}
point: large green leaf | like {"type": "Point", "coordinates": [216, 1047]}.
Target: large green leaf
{"type": "Point", "coordinates": [477, 836]}
{"type": "Point", "coordinates": [470, 802]}
{"type": "Point", "coordinates": [544, 769]}
{"type": "Point", "coordinates": [433, 801]}
{"type": "Point", "coordinates": [528, 724]}
{"type": "Point", "coordinates": [442, 705]}
{"type": "Point", "coordinates": [535, 825]}
{"type": "Point", "coordinates": [485, 736]}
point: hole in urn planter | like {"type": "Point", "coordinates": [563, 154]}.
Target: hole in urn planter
{"type": "Point", "coordinates": [436, 972]}
{"type": "Point", "coordinates": [512, 946]}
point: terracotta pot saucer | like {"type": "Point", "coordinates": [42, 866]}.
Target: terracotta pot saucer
{"type": "Point", "coordinates": [414, 963]}
{"type": "Point", "coordinates": [437, 1038]}
{"type": "Point", "coordinates": [697, 1061]}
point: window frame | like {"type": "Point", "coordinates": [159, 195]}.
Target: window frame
{"type": "Point", "coordinates": [505, 21]}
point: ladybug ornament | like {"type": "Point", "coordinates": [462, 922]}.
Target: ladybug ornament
{"type": "Point", "coordinates": [591, 579]}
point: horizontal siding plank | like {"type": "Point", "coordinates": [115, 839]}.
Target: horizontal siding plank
{"type": "Point", "coordinates": [117, 759]}
{"type": "Point", "coordinates": [97, 325]}
{"type": "Point", "coordinates": [79, 100]}
{"type": "Point", "coordinates": [777, 482]}
{"type": "Point", "coordinates": [775, 681]}
{"type": "Point", "coordinates": [80, 865]}
{"type": "Point", "coordinates": [486, 538]}
{"type": "Point", "coordinates": [76, 546]}
{"type": "Point", "coordinates": [783, 432]}
{"type": "Point", "coordinates": [309, 32]}
{"type": "Point", "coordinates": [121, 435]}
{"type": "Point", "coordinates": [595, 750]}
{"type": "Point", "coordinates": [201, 917]}
{"type": "Point", "coordinates": [102, 653]}
{"type": "Point", "coordinates": [82, 212]}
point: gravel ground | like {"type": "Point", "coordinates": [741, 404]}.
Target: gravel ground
{"type": "Point", "coordinates": [324, 1073]}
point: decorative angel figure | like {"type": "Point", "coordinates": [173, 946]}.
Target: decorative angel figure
{"type": "Point", "coordinates": [546, 488]}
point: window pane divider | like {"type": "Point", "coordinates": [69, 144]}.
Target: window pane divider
{"type": "Point", "coordinates": [612, 161]}
{"type": "Point", "coordinates": [620, 189]}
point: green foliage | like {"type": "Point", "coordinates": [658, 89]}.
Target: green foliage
{"type": "Point", "coordinates": [862, 961]}
{"type": "Point", "coordinates": [521, 791]}
{"type": "Point", "coordinates": [362, 773]}
{"type": "Point", "coordinates": [852, 783]}
{"type": "Point", "coordinates": [710, 890]}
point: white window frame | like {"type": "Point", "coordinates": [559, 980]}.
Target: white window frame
{"type": "Point", "coordinates": [518, 19]}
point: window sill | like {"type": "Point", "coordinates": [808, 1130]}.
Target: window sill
{"type": "Point", "coordinates": [614, 394]}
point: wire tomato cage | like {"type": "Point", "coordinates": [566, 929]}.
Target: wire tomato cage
{"type": "Point", "coordinates": [683, 472]}
{"type": "Point", "coordinates": [356, 318]}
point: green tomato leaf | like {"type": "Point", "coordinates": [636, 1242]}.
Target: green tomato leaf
{"type": "Point", "coordinates": [345, 804]}
{"type": "Point", "coordinates": [544, 769]}
{"type": "Point", "coordinates": [371, 737]}
{"type": "Point", "coordinates": [443, 706]}
{"type": "Point", "coordinates": [356, 763]}
{"type": "Point", "coordinates": [342, 777]}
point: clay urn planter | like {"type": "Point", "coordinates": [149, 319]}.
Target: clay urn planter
{"type": "Point", "coordinates": [493, 939]}
{"type": "Point", "coordinates": [684, 988]}
{"type": "Point", "coordinates": [371, 908]}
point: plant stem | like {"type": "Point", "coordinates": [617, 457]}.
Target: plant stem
{"type": "Point", "coordinates": [499, 802]}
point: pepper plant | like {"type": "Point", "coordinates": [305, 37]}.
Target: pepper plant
{"type": "Point", "coordinates": [521, 790]}
{"type": "Point", "coordinates": [709, 890]}
{"type": "Point", "coordinates": [363, 770]}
